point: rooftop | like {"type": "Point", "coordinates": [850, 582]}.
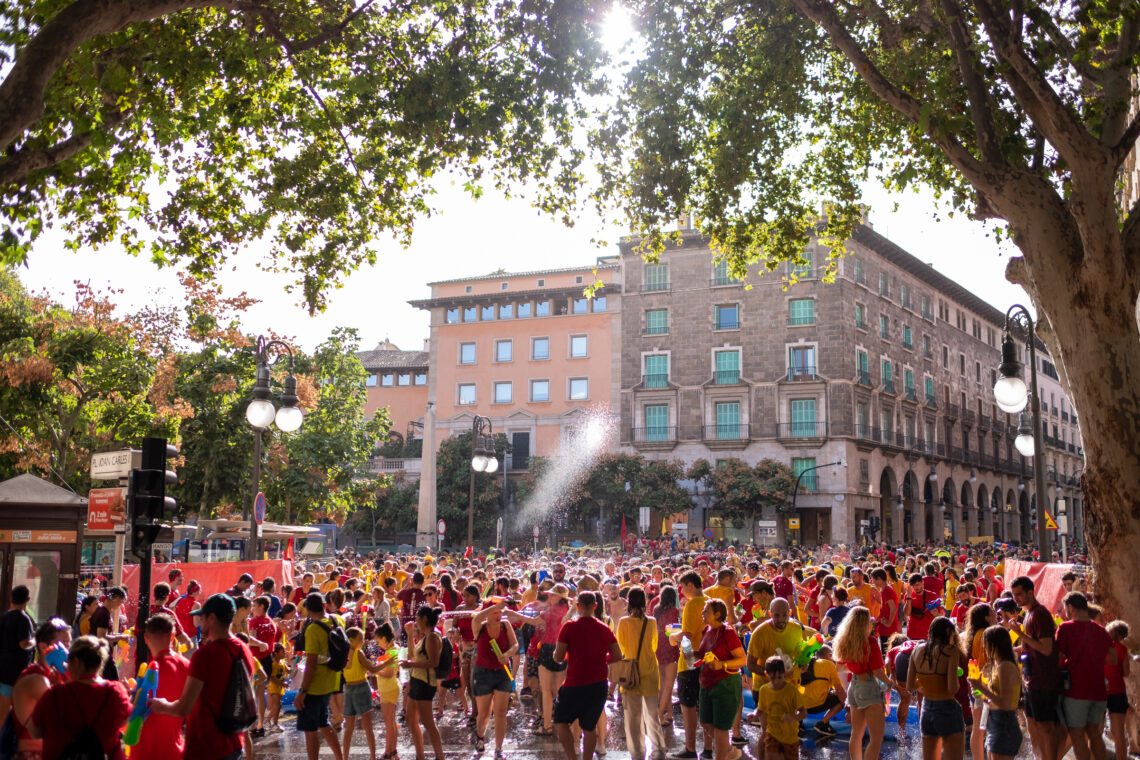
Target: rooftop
{"type": "Point", "coordinates": [380, 359]}
{"type": "Point", "coordinates": [603, 262]}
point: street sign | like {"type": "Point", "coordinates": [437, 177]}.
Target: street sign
{"type": "Point", "coordinates": [106, 508]}
{"type": "Point", "coordinates": [535, 532]}
{"type": "Point", "coordinates": [259, 507]}
{"type": "Point", "coordinates": [793, 523]}
{"type": "Point", "coordinates": [765, 523]}
{"type": "Point", "coordinates": [1049, 522]}
{"type": "Point", "coordinates": [708, 533]}
{"type": "Point", "coordinates": [112, 465]}
{"type": "Point", "coordinates": [441, 527]}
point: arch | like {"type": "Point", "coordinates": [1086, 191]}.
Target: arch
{"type": "Point", "coordinates": [910, 491]}
{"type": "Point", "coordinates": [888, 490]}
{"type": "Point", "coordinates": [965, 504]}
{"type": "Point", "coordinates": [983, 509]}
{"type": "Point", "coordinates": [948, 512]}
{"type": "Point", "coordinates": [997, 514]}
{"type": "Point", "coordinates": [1023, 517]}
{"type": "Point", "coordinates": [1012, 521]}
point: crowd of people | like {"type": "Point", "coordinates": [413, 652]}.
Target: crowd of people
{"type": "Point", "coordinates": [697, 653]}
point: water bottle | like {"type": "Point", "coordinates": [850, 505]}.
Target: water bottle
{"type": "Point", "coordinates": [687, 652]}
{"type": "Point", "coordinates": [1024, 666]}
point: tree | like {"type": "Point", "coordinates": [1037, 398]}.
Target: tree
{"type": "Point", "coordinates": [747, 115]}
{"type": "Point", "coordinates": [314, 127]}
{"type": "Point", "coordinates": [453, 473]}
{"type": "Point", "coordinates": [656, 486]}
{"type": "Point", "coordinates": [392, 510]}
{"type": "Point", "coordinates": [744, 492]}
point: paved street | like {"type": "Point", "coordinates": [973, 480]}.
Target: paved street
{"type": "Point", "coordinates": [522, 743]}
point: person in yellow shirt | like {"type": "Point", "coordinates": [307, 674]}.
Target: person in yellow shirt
{"type": "Point", "coordinates": [357, 693]}
{"type": "Point", "coordinates": [781, 709]}
{"type": "Point", "coordinates": [864, 592]}
{"type": "Point", "coordinates": [823, 691]}
{"type": "Point", "coordinates": [725, 590]}
{"type": "Point", "coordinates": [777, 636]}
{"type": "Point", "coordinates": [637, 637]}
{"type": "Point", "coordinates": [688, 675]}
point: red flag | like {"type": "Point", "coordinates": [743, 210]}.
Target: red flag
{"type": "Point", "coordinates": [289, 550]}
{"type": "Point", "coordinates": [467, 554]}
{"type": "Point", "coordinates": [623, 530]}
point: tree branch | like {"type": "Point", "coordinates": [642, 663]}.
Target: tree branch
{"type": "Point", "coordinates": [984, 129]}
{"type": "Point", "coordinates": [1062, 46]}
{"type": "Point", "coordinates": [1114, 97]}
{"type": "Point", "coordinates": [16, 167]}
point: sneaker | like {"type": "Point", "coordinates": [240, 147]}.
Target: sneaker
{"type": "Point", "coordinates": [526, 693]}
{"type": "Point", "coordinates": [739, 741]}
{"type": "Point", "coordinates": [683, 754]}
{"type": "Point", "coordinates": [707, 754]}
{"type": "Point", "coordinates": [824, 728]}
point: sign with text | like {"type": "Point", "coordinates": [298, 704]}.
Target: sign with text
{"type": "Point", "coordinates": [112, 465]}
{"type": "Point", "coordinates": [106, 508]}
{"type": "Point", "coordinates": [38, 536]}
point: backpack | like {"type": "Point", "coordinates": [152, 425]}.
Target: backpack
{"type": "Point", "coordinates": [338, 646]}
{"type": "Point", "coordinates": [446, 655]}
{"type": "Point", "coordinates": [239, 706]}
{"type": "Point", "coordinates": [85, 745]}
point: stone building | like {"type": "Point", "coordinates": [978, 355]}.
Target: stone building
{"type": "Point", "coordinates": [889, 369]}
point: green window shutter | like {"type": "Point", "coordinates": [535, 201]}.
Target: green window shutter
{"type": "Point", "coordinates": [909, 380]}
{"type": "Point", "coordinates": [728, 420]}
{"type": "Point", "coordinates": [864, 363]}
{"type": "Point", "coordinates": [727, 367]}
{"type": "Point", "coordinates": [799, 466]}
{"type": "Point", "coordinates": [657, 422]}
{"type": "Point", "coordinates": [803, 418]}
{"type": "Point", "coordinates": [802, 311]}
{"type": "Point", "coordinates": [657, 277]}
{"type": "Point", "coordinates": [657, 321]}
{"type": "Point", "coordinates": [656, 371]}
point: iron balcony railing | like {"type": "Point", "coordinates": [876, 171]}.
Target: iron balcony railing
{"type": "Point", "coordinates": [931, 401]}
{"type": "Point", "coordinates": [888, 386]}
{"type": "Point", "coordinates": [865, 379]}
{"type": "Point", "coordinates": [801, 373]}
{"type": "Point", "coordinates": [802, 430]}
{"type": "Point", "coordinates": [726, 431]}
{"type": "Point", "coordinates": [654, 287]}
{"type": "Point", "coordinates": [727, 377]}
{"type": "Point", "coordinates": [655, 380]}
{"type": "Point", "coordinates": [654, 434]}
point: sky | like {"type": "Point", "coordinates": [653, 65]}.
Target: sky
{"type": "Point", "coordinates": [468, 237]}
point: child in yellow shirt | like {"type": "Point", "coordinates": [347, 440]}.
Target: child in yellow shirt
{"type": "Point", "coordinates": [781, 709]}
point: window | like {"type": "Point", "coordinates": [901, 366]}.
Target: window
{"type": "Point", "coordinates": [506, 311]}
{"type": "Point", "coordinates": [539, 390]}
{"type": "Point", "coordinates": [860, 275]}
{"type": "Point", "coordinates": [578, 346]}
{"type": "Point", "coordinates": [656, 321]}
{"type": "Point", "coordinates": [525, 310]}
{"type": "Point", "coordinates": [805, 269]}
{"type": "Point", "coordinates": [801, 363]}
{"type": "Point", "coordinates": [542, 309]}
{"type": "Point", "coordinates": [503, 392]}
{"type": "Point", "coordinates": [928, 384]}
{"type": "Point", "coordinates": [728, 420]}
{"type": "Point", "coordinates": [579, 389]}
{"type": "Point", "coordinates": [371, 381]}
{"type": "Point", "coordinates": [539, 348]}
{"type": "Point", "coordinates": [580, 306]}
{"type": "Point", "coordinates": [451, 316]}
{"type": "Point", "coordinates": [656, 277]}
{"type": "Point", "coordinates": [904, 296]}
{"type": "Point", "coordinates": [884, 327]}
{"type": "Point", "coordinates": [926, 307]}
{"type": "Point", "coordinates": [945, 357]}
{"type": "Point", "coordinates": [721, 275]}
{"type": "Point", "coordinates": [470, 313]}
{"type": "Point", "coordinates": [488, 313]}
{"type": "Point", "coordinates": [962, 364]}
{"type": "Point", "coordinates": [542, 283]}
{"type": "Point", "coordinates": [929, 436]}
{"type": "Point", "coordinates": [599, 304]}
{"type": "Point", "coordinates": [801, 311]}
{"type": "Point", "coordinates": [908, 338]}
{"type": "Point", "coordinates": [727, 367]}
{"type": "Point", "coordinates": [861, 420]}
{"type": "Point", "coordinates": [466, 353]}
{"type": "Point", "coordinates": [861, 316]}
{"type": "Point", "coordinates": [467, 289]}
{"type": "Point", "coordinates": [888, 376]}
{"type": "Point", "coordinates": [926, 346]}
{"type": "Point", "coordinates": [726, 317]}
{"type": "Point", "coordinates": [803, 418]}
{"type": "Point", "coordinates": [799, 466]}
{"type": "Point", "coordinates": [420, 378]}
{"type": "Point", "coordinates": [578, 280]}
{"type": "Point", "coordinates": [466, 394]}
{"type": "Point", "coordinates": [657, 371]}
{"type": "Point", "coordinates": [908, 383]}
{"type": "Point", "coordinates": [387, 379]}
{"type": "Point", "coordinates": [504, 350]}
{"type": "Point", "coordinates": [884, 287]}
{"type": "Point", "coordinates": [978, 371]}
{"type": "Point", "coordinates": [863, 362]}
{"type": "Point", "coordinates": [657, 422]}
{"type": "Point", "coordinates": [504, 286]}
{"type": "Point", "coordinates": [404, 378]}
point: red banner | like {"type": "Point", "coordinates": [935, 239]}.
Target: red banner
{"type": "Point", "coordinates": [1046, 579]}
{"type": "Point", "coordinates": [215, 577]}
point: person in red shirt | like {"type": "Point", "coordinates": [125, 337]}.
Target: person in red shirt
{"type": "Point", "coordinates": [184, 609]}
{"type": "Point", "coordinates": [583, 644]}
{"type": "Point", "coordinates": [205, 689]}
{"type": "Point", "coordinates": [263, 634]}
{"type": "Point", "coordinates": [917, 608]}
{"type": "Point", "coordinates": [857, 648]}
{"type": "Point", "coordinates": [1085, 649]}
{"type": "Point", "coordinates": [720, 676]}
{"type": "Point", "coordinates": [888, 620]}
{"type": "Point", "coordinates": [85, 700]}
{"type": "Point", "coordinates": [34, 682]}
{"type": "Point", "coordinates": [1114, 681]}
{"type": "Point", "coordinates": [161, 603]}
{"type": "Point", "coordinates": [303, 590]}
{"type": "Point", "coordinates": [161, 736]}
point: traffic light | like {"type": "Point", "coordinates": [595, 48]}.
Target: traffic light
{"type": "Point", "coordinates": [147, 501]}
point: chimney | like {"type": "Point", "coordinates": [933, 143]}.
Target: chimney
{"type": "Point", "coordinates": [427, 344]}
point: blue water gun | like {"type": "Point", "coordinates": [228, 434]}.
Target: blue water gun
{"type": "Point", "coordinates": [146, 690]}
{"type": "Point", "coordinates": [56, 657]}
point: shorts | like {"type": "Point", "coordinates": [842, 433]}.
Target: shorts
{"type": "Point", "coordinates": [532, 666]}
{"type": "Point", "coordinates": [487, 680]}
{"type": "Point", "coordinates": [831, 701]}
{"type": "Point", "coordinates": [864, 693]}
{"type": "Point", "coordinates": [421, 691]}
{"type": "Point", "coordinates": [1117, 704]}
{"type": "Point", "coordinates": [719, 706]}
{"type": "Point", "coordinates": [315, 714]}
{"type": "Point", "coordinates": [689, 687]}
{"type": "Point", "coordinates": [6, 689]}
{"type": "Point", "coordinates": [1078, 713]}
{"type": "Point", "coordinates": [941, 717]}
{"type": "Point", "coordinates": [546, 659]}
{"type": "Point", "coordinates": [775, 748]}
{"type": "Point", "coordinates": [266, 663]}
{"type": "Point", "coordinates": [357, 699]}
{"type": "Point", "coordinates": [451, 683]}
{"type": "Point", "coordinates": [1041, 705]}
{"type": "Point", "coordinates": [580, 703]}
{"type": "Point", "coordinates": [1003, 733]}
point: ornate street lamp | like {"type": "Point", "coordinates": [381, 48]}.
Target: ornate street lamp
{"type": "Point", "coordinates": [483, 459]}
{"type": "Point", "coordinates": [261, 413]}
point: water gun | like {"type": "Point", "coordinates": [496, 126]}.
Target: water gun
{"type": "Point", "coordinates": [673, 628]}
{"type": "Point", "coordinates": [56, 657]}
{"type": "Point", "coordinates": [710, 658]}
{"type": "Point", "coordinates": [807, 649]}
{"type": "Point", "coordinates": [146, 690]}
{"type": "Point", "coordinates": [387, 657]}
{"type": "Point", "coordinates": [499, 653]}
{"type": "Point", "coordinates": [931, 606]}
{"type": "Point", "coordinates": [974, 675]}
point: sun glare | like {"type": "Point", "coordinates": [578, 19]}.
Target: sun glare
{"type": "Point", "coordinates": [618, 31]}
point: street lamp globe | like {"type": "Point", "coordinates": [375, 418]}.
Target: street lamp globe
{"type": "Point", "coordinates": [1024, 444]}
{"type": "Point", "coordinates": [478, 462]}
{"type": "Point", "coordinates": [289, 418]}
{"type": "Point", "coordinates": [1011, 394]}
{"type": "Point", "coordinates": [492, 465]}
{"type": "Point", "coordinates": [260, 413]}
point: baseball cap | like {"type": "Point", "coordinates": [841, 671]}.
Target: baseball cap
{"type": "Point", "coordinates": [220, 606]}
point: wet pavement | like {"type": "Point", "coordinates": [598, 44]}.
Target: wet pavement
{"type": "Point", "coordinates": [522, 743]}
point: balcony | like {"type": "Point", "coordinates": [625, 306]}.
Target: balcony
{"type": "Point", "coordinates": [984, 422]}
{"type": "Point", "coordinates": [908, 345]}
{"type": "Point", "coordinates": [885, 290]}
{"type": "Point", "coordinates": [889, 386]}
{"type": "Point", "coordinates": [970, 458]}
{"type": "Point", "coordinates": [906, 304]}
{"type": "Point", "coordinates": [801, 374]}
{"type": "Point", "coordinates": [1072, 448]}
{"type": "Point", "coordinates": [952, 411]}
{"type": "Point", "coordinates": [794, 430]}
{"type": "Point", "coordinates": [727, 377]}
{"type": "Point", "coordinates": [864, 379]}
{"type": "Point", "coordinates": [723, 280]}
{"type": "Point", "coordinates": [926, 354]}
{"type": "Point", "coordinates": [809, 482]}
{"type": "Point", "coordinates": [1064, 416]}
{"type": "Point", "coordinates": [725, 435]}
{"type": "Point", "coordinates": [887, 437]}
{"type": "Point", "coordinates": [910, 394]}
{"type": "Point", "coordinates": [968, 417]}
{"type": "Point", "coordinates": [955, 454]}
{"type": "Point", "coordinates": [931, 401]}
{"type": "Point", "coordinates": [986, 461]}
{"type": "Point", "coordinates": [928, 315]}
{"type": "Point", "coordinates": [654, 287]}
{"type": "Point", "coordinates": [860, 324]}
{"type": "Point", "coordinates": [655, 380]}
{"type": "Point", "coordinates": [804, 320]}
{"type": "Point", "coordinates": [657, 330]}
{"type": "Point", "coordinates": [383, 466]}
{"type": "Point", "coordinates": [940, 449]}
{"type": "Point", "coordinates": [727, 323]}
{"type": "Point", "coordinates": [867, 433]}
{"type": "Point", "coordinates": [860, 278]}
{"type": "Point", "coordinates": [654, 437]}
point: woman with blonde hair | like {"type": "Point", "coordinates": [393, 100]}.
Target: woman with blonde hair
{"type": "Point", "coordinates": [858, 650]}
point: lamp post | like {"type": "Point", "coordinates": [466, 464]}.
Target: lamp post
{"type": "Point", "coordinates": [483, 459]}
{"type": "Point", "coordinates": [1011, 395]}
{"type": "Point", "coordinates": [261, 414]}
{"type": "Point", "coordinates": [796, 487]}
